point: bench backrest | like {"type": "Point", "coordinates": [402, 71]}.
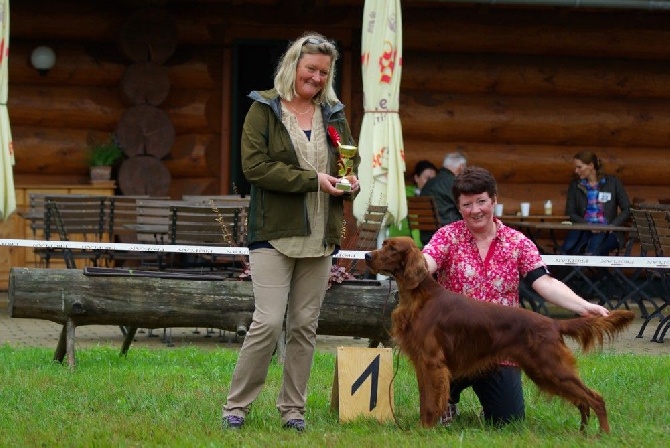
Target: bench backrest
{"type": "Point", "coordinates": [206, 225]}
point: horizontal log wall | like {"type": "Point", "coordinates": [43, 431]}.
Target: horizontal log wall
{"type": "Point", "coordinates": [56, 117]}
{"type": "Point", "coordinates": [519, 90]}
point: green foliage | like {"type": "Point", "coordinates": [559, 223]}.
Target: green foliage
{"type": "Point", "coordinates": [173, 397]}
{"type": "Point", "coordinates": [105, 153]}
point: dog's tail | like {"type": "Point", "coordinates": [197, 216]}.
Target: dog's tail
{"type": "Point", "coordinates": [589, 331]}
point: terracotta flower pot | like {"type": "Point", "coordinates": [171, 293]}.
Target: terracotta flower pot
{"type": "Point", "coordinates": [101, 173]}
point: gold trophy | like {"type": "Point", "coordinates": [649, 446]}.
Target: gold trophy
{"type": "Point", "coordinates": [345, 166]}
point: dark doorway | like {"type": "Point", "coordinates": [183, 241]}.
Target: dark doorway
{"type": "Point", "coordinates": [254, 65]}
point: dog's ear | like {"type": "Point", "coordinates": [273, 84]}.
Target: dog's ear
{"type": "Point", "coordinates": [416, 268]}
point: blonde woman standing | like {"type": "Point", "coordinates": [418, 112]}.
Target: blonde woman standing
{"type": "Point", "coordinates": [294, 224]}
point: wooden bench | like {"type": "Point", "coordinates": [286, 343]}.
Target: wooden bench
{"type": "Point", "coordinates": [151, 299]}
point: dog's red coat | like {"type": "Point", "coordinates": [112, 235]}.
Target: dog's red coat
{"type": "Point", "coordinates": [447, 335]}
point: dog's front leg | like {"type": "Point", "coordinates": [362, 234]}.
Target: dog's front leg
{"type": "Point", "coordinates": [433, 383]}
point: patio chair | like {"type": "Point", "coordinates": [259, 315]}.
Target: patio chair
{"type": "Point", "coordinates": [659, 224]}
{"type": "Point", "coordinates": [73, 218]}
{"type": "Point", "coordinates": [122, 228]}
{"type": "Point", "coordinates": [366, 239]}
{"type": "Point", "coordinates": [224, 200]}
{"type": "Point", "coordinates": [208, 226]}
{"type": "Point", "coordinates": [422, 215]}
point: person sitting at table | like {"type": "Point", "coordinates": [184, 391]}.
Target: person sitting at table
{"type": "Point", "coordinates": [598, 198]}
{"type": "Point", "coordinates": [440, 187]}
{"type": "Point", "coordinates": [424, 170]}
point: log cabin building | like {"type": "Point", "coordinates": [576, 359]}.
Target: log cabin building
{"type": "Point", "coordinates": [518, 87]}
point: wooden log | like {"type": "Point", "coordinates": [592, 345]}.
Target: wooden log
{"type": "Point", "coordinates": [53, 151]}
{"type": "Point", "coordinates": [606, 33]}
{"type": "Point", "coordinates": [193, 145]}
{"type": "Point", "coordinates": [527, 164]}
{"type": "Point", "coordinates": [76, 65]}
{"type": "Point", "coordinates": [356, 308]}
{"type": "Point", "coordinates": [149, 35]}
{"type": "Point", "coordinates": [193, 166]}
{"type": "Point", "coordinates": [146, 83]}
{"type": "Point", "coordinates": [96, 65]}
{"type": "Point", "coordinates": [427, 26]}
{"type": "Point", "coordinates": [535, 75]}
{"type": "Point", "coordinates": [144, 175]}
{"type": "Point", "coordinates": [145, 130]}
{"type": "Point", "coordinates": [201, 69]}
{"type": "Point", "coordinates": [100, 108]}
{"type": "Point", "coordinates": [96, 108]}
{"type": "Point", "coordinates": [535, 120]}
{"type": "Point", "coordinates": [188, 110]}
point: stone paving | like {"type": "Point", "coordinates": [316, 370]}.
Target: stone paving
{"type": "Point", "coordinates": [43, 333]}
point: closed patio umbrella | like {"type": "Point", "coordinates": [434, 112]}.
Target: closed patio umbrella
{"type": "Point", "coordinates": [382, 168]}
{"type": "Point", "coordinates": [7, 194]}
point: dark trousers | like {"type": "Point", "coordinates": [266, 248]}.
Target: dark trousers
{"type": "Point", "coordinates": [499, 392]}
{"type": "Point", "coordinates": [584, 242]}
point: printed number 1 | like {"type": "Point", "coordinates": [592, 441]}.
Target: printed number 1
{"type": "Point", "coordinates": [370, 371]}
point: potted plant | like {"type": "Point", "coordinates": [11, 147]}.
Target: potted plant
{"type": "Point", "coordinates": [103, 156]}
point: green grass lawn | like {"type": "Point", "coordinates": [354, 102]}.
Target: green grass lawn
{"type": "Point", "coordinates": [173, 397]}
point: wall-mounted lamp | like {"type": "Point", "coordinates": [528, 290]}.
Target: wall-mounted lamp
{"type": "Point", "coordinates": [43, 59]}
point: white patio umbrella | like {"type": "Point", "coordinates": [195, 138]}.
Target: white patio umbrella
{"type": "Point", "coordinates": [382, 168]}
{"type": "Point", "coordinates": [7, 194]}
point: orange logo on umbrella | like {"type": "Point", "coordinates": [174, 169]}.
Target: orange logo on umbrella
{"type": "Point", "coordinates": [387, 62]}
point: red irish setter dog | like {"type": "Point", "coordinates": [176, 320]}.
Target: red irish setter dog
{"type": "Point", "coordinates": [447, 335]}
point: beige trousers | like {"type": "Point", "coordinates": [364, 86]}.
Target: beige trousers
{"type": "Point", "coordinates": [279, 280]}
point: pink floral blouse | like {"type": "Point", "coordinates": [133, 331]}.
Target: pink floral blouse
{"type": "Point", "coordinates": [496, 279]}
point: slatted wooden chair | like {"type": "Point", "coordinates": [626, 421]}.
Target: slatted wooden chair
{"type": "Point", "coordinates": [153, 227]}
{"type": "Point", "coordinates": [35, 214]}
{"type": "Point", "coordinates": [659, 223]}
{"type": "Point", "coordinates": [422, 215]}
{"type": "Point", "coordinates": [643, 278]}
{"type": "Point", "coordinates": [367, 236]}
{"type": "Point", "coordinates": [224, 200]}
{"type": "Point", "coordinates": [211, 225]}
{"type": "Point", "coordinates": [74, 218]}
{"type": "Point", "coordinates": [121, 220]}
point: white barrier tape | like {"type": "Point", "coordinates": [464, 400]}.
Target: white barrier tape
{"type": "Point", "coordinates": [608, 262]}
{"type": "Point", "coordinates": [168, 248]}
{"type": "Point", "coordinates": [551, 260]}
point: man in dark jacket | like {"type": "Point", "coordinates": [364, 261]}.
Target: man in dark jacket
{"type": "Point", "coordinates": [440, 187]}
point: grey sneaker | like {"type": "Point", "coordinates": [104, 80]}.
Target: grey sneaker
{"type": "Point", "coordinates": [295, 423]}
{"type": "Point", "coordinates": [233, 422]}
{"type": "Point", "coordinates": [449, 414]}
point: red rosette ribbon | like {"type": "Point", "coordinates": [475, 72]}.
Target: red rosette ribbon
{"type": "Point", "coordinates": [334, 136]}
